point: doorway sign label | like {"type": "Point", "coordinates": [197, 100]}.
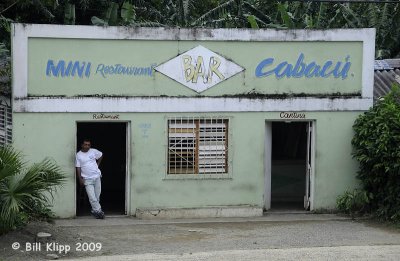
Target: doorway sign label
{"type": "Point", "coordinates": [292, 115]}
{"type": "Point", "coordinates": [102, 116]}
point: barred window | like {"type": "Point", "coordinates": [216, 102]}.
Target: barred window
{"type": "Point", "coordinates": [197, 146]}
{"type": "Point", "coordinates": [5, 124]}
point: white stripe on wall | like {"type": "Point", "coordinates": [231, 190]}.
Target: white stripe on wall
{"type": "Point", "coordinates": [204, 104]}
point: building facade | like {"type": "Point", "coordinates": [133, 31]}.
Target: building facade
{"type": "Point", "coordinates": [194, 122]}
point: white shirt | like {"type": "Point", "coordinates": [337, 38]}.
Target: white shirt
{"type": "Point", "coordinates": [87, 162]}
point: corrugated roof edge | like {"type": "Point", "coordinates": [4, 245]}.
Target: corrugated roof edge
{"type": "Point", "coordinates": [387, 72]}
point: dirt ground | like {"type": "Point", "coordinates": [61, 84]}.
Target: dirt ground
{"type": "Point", "coordinates": [128, 236]}
{"type": "Point", "coordinates": [27, 235]}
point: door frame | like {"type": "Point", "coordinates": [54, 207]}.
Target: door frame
{"type": "Point", "coordinates": [268, 160]}
{"type": "Point", "coordinates": [127, 162]}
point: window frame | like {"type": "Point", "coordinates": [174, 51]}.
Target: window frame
{"type": "Point", "coordinates": [229, 150]}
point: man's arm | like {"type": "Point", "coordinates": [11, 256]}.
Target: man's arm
{"type": "Point", "coordinates": [78, 174]}
{"type": "Point", "coordinates": [99, 160]}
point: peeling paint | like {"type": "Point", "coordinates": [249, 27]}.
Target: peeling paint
{"type": "Point", "coordinates": [191, 104]}
{"type": "Point", "coordinates": [249, 95]}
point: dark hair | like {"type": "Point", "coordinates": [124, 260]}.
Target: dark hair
{"type": "Point", "coordinates": [86, 140]}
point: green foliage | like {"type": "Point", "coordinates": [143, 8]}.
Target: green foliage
{"type": "Point", "coordinates": [376, 147]}
{"type": "Point", "coordinates": [385, 17]}
{"type": "Point", "coordinates": [253, 22]}
{"type": "Point", "coordinates": [127, 13]}
{"type": "Point", "coordinates": [287, 17]}
{"type": "Point", "coordinates": [69, 14]}
{"type": "Point", "coordinates": [25, 191]}
{"type": "Point", "coordinates": [116, 15]}
{"type": "Point", "coordinates": [354, 202]}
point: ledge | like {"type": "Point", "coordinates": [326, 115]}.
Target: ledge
{"type": "Point", "coordinates": [208, 212]}
{"type": "Point", "coordinates": [203, 104]}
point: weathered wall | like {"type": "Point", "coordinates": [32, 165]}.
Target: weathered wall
{"type": "Point", "coordinates": [145, 54]}
{"type": "Point", "coordinates": [53, 134]}
{"type": "Point", "coordinates": [326, 74]}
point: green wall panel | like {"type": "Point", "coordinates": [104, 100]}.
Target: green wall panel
{"type": "Point", "coordinates": [41, 135]}
{"type": "Point", "coordinates": [145, 54]}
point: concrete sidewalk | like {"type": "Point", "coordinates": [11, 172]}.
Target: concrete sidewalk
{"type": "Point", "coordinates": [275, 236]}
{"type": "Point", "coordinates": [127, 221]}
{"type": "Point", "coordinates": [373, 253]}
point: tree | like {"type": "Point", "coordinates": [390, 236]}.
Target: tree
{"type": "Point", "coordinates": [25, 191]}
{"type": "Point", "coordinates": [385, 17]}
{"type": "Point", "coordinates": [376, 146]}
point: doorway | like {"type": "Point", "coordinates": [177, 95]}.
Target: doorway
{"type": "Point", "coordinates": [111, 140]}
{"type": "Point", "coordinates": [288, 165]}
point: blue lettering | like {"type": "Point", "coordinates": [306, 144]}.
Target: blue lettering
{"type": "Point", "coordinates": [346, 68]}
{"type": "Point", "coordinates": [100, 68]}
{"type": "Point", "coordinates": [336, 72]}
{"type": "Point", "coordinates": [73, 67]}
{"type": "Point", "coordinates": [312, 70]}
{"type": "Point", "coordinates": [87, 72]}
{"type": "Point", "coordinates": [55, 70]}
{"type": "Point", "coordinates": [261, 65]}
{"type": "Point", "coordinates": [279, 68]}
{"type": "Point", "coordinates": [288, 71]}
{"type": "Point", "coordinates": [68, 70]}
{"type": "Point", "coordinates": [119, 69]}
{"type": "Point", "coordinates": [77, 68]}
{"type": "Point", "coordinates": [301, 68]}
{"type": "Point", "coordinates": [326, 66]}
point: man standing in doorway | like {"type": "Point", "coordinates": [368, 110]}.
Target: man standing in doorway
{"type": "Point", "coordinates": [87, 164]}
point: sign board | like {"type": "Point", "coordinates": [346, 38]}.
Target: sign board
{"type": "Point", "coordinates": [89, 61]}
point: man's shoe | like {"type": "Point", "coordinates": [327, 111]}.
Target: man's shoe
{"type": "Point", "coordinates": [98, 214]}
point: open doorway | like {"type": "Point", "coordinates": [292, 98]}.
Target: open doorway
{"type": "Point", "coordinates": [111, 139]}
{"type": "Point", "coordinates": [288, 165]}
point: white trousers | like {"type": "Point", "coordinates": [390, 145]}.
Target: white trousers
{"type": "Point", "coordinates": [93, 190]}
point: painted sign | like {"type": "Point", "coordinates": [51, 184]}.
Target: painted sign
{"type": "Point", "coordinates": [199, 69]}
{"type": "Point", "coordinates": [83, 69]}
{"type": "Point", "coordinates": [74, 67]}
{"type": "Point", "coordinates": [102, 116]}
{"type": "Point", "coordinates": [336, 69]}
{"type": "Point", "coordinates": [292, 115]}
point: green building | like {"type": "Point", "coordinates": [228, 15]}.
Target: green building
{"type": "Point", "coordinates": [194, 122]}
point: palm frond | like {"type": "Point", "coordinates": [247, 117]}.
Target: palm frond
{"type": "Point", "coordinates": [147, 24]}
{"type": "Point", "coordinates": [22, 188]}
{"type": "Point", "coordinates": [351, 17]}
{"type": "Point", "coordinates": [373, 15]}
{"type": "Point", "coordinates": [321, 16]}
{"type": "Point", "coordinates": [214, 13]}
{"type": "Point", "coordinates": [286, 16]}
{"type": "Point", "coordinates": [43, 9]}
{"type": "Point", "coordinates": [258, 14]}
{"type": "Point", "coordinates": [10, 162]}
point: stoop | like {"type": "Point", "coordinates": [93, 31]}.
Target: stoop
{"type": "Point", "coordinates": [211, 212]}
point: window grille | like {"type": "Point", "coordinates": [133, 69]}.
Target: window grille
{"type": "Point", "coordinates": [197, 146]}
{"type": "Point", "coordinates": [5, 124]}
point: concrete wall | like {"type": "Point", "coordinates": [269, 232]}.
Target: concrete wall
{"type": "Point", "coordinates": [53, 134]}
{"type": "Point", "coordinates": [47, 102]}
{"type": "Point", "coordinates": [143, 54]}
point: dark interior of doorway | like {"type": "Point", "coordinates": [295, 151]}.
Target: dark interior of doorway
{"type": "Point", "coordinates": [288, 166]}
{"type": "Point", "coordinates": [109, 138]}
